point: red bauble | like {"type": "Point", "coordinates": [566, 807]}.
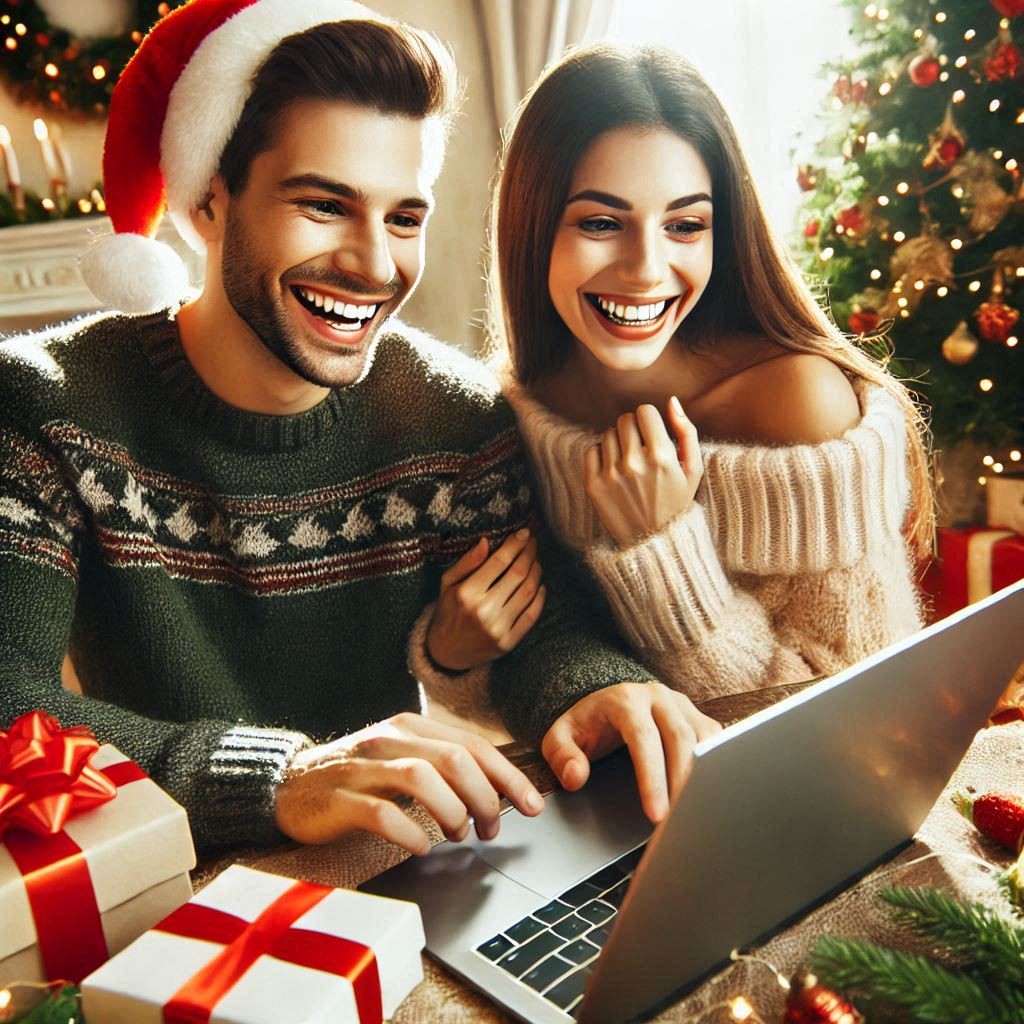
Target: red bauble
{"type": "Point", "coordinates": [1004, 62]}
{"type": "Point", "coordinates": [811, 229]}
{"type": "Point", "coordinates": [1009, 8]}
{"type": "Point", "coordinates": [863, 321]}
{"type": "Point", "coordinates": [859, 92]}
{"type": "Point", "coordinates": [950, 150]}
{"type": "Point", "coordinates": [811, 1003]}
{"type": "Point", "coordinates": [995, 321]}
{"type": "Point", "coordinates": [806, 177]}
{"type": "Point", "coordinates": [843, 89]}
{"type": "Point", "coordinates": [924, 70]}
{"type": "Point", "coordinates": [851, 220]}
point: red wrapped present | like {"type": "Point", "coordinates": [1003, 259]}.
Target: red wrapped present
{"type": "Point", "coordinates": [971, 564]}
{"type": "Point", "coordinates": [92, 851]}
{"type": "Point", "coordinates": [254, 948]}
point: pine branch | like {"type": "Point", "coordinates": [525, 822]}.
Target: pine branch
{"type": "Point", "coordinates": [58, 1008]}
{"type": "Point", "coordinates": [933, 994]}
{"type": "Point", "coordinates": [992, 945]}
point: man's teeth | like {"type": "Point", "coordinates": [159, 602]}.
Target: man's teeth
{"type": "Point", "coordinates": [634, 314]}
{"type": "Point", "coordinates": [331, 305]}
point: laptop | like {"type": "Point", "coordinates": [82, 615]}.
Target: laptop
{"type": "Point", "coordinates": [586, 913]}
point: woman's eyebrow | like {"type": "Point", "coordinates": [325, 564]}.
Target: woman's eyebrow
{"type": "Point", "coordinates": [607, 199]}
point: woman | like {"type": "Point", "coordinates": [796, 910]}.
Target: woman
{"type": "Point", "coordinates": [746, 485]}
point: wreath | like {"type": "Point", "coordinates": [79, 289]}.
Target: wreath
{"type": "Point", "coordinates": [46, 64]}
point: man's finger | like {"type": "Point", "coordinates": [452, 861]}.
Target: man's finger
{"type": "Point", "coordinates": [516, 577]}
{"type": "Point", "coordinates": [500, 559]}
{"type": "Point", "coordinates": [644, 741]}
{"type": "Point", "coordinates": [564, 755]}
{"type": "Point", "coordinates": [382, 818]}
{"type": "Point", "coordinates": [677, 739]}
{"type": "Point", "coordinates": [519, 600]}
{"type": "Point", "coordinates": [527, 619]}
{"type": "Point", "coordinates": [468, 563]}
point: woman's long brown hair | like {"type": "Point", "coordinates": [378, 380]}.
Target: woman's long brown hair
{"type": "Point", "coordinates": [754, 284]}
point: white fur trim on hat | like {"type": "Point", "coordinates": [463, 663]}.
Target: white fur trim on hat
{"type": "Point", "coordinates": [207, 100]}
{"type": "Point", "coordinates": [133, 273]}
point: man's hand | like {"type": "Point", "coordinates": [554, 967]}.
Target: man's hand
{"type": "Point", "coordinates": [638, 478]}
{"type": "Point", "coordinates": [658, 725]}
{"type": "Point", "coordinates": [352, 783]}
{"type": "Point", "coordinates": [487, 603]}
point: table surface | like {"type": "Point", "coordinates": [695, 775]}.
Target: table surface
{"type": "Point", "coordinates": [948, 844]}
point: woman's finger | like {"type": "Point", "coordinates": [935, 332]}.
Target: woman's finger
{"type": "Point", "coordinates": [653, 431]}
{"type": "Point", "coordinates": [611, 452]}
{"type": "Point", "coordinates": [687, 441]}
{"type": "Point", "coordinates": [630, 442]}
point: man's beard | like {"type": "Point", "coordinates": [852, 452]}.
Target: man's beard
{"type": "Point", "coordinates": [253, 298]}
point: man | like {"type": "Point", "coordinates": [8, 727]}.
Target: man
{"type": "Point", "coordinates": [230, 514]}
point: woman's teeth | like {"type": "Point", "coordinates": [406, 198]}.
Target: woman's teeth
{"type": "Point", "coordinates": [632, 316]}
{"type": "Point", "coordinates": [340, 315]}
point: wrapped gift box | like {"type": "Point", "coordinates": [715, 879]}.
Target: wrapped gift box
{"type": "Point", "coordinates": [137, 851]}
{"type": "Point", "coordinates": [971, 564]}
{"type": "Point", "coordinates": [1004, 497]}
{"type": "Point", "coordinates": [253, 948]}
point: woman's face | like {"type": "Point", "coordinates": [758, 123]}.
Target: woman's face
{"type": "Point", "coordinates": [633, 251]}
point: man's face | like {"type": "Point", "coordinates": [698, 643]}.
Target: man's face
{"type": "Point", "coordinates": [326, 241]}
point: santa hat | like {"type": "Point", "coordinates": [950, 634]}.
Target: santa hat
{"type": "Point", "coordinates": [174, 109]}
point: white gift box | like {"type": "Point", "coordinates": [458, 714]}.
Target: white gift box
{"type": "Point", "coordinates": [134, 986]}
{"type": "Point", "coordinates": [138, 850]}
{"type": "Point", "coordinates": [1005, 499]}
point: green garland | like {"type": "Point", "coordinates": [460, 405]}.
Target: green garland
{"type": "Point", "coordinates": [38, 44]}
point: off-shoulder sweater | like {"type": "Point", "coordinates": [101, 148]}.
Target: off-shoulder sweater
{"type": "Point", "coordinates": [790, 563]}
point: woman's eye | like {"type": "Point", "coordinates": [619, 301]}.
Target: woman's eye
{"type": "Point", "coordinates": [598, 225]}
{"type": "Point", "coordinates": [686, 228]}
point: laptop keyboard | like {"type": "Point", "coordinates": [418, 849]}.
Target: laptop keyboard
{"type": "Point", "coordinates": [554, 949]}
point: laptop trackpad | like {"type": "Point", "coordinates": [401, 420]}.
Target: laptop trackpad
{"type": "Point", "coordinates": [576, 833]}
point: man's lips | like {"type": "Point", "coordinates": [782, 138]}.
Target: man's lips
{"type": "Point", "coordinates": [332, 324]}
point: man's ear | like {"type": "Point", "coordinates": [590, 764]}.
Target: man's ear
{"type": "Point", "coordinates": [210, 216]}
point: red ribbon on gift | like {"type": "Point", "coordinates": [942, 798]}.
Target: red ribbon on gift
{"type": "Point", "coordinates": [271, 934]}
{"type": "Point", "coordinates": [46, 778]}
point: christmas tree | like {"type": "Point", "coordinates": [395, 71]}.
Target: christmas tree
{"type": "Point", "coordinates": [913, 213]}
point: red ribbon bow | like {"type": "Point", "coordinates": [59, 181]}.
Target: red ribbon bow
{"type": "Point", "coordinates": [45, 775]}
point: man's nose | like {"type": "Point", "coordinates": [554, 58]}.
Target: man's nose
{"type": "Point", "coordinates": [368, 256]}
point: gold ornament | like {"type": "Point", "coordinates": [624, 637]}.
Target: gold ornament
{"type": "Point", "coordinates": [979, 175]}
{"type": "Point", "coordinates": [961, 346]}
{"type": "Point", "coordinates": [946, 144]}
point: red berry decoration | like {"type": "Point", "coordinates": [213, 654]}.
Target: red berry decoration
{"type": "Point", "coordinates": [864, 321]}
{"type": "Point", "coordinates": [811, 229]}
{"type": "Point", "coordinates": [859, 91]}
{"type": "Point", "coordinates": [995, 321]}
{"type": "Point", "coordinates": [1009, 8]}
{"type": "Point", "coordinates": [851, 220]}
{"type": "Point", "coordinates": [806, 178]}
{"type": "Point", "coordinates": [924, 70]}
{"type": "Point", "coordinates": [1000, 816]}
{"type": "Point", "coordinates": [1004, 62]}
{"type": "Point", "coordinates": [811, 1003]}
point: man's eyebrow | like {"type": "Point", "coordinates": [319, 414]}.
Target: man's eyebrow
{"type": "Point", "coordinates": [608, 199]}
{"type": "Point", "coordinates": [340, 189]}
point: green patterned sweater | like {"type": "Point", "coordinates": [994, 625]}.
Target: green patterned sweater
{"type": "Point", "coordinates": [231, 585]}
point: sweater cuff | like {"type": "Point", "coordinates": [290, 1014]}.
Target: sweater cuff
{"type": "Point", "coordinates": [240, 788]}
{"type": "Point", "coordinates": [669, 590]}
{"type": "Point", "coordinates": [465, 693]}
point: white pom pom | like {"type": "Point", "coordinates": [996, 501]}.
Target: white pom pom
{"type": "Point", "coordinates": [133, 273]}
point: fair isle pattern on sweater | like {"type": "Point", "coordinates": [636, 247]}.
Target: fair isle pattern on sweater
{"type": "Point", "coordinates": [387, 521]}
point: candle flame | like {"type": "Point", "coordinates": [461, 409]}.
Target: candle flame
{"type": "Point", "coordinates": [39, 127]}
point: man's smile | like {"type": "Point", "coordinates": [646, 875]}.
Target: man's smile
{"type": "Point", "coordinates": [336, 312]}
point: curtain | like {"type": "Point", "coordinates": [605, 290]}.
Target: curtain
{"type": "Point", "coordinates": [521, 37]}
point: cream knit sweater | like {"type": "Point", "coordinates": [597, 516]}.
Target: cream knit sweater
{"type": "Point", "coordinates": [790, 563]}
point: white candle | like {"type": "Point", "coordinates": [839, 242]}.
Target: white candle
{"type": "Point", "coordinates": [11, 169]}
{"type": "Point", "coordinates": [57, 183]}
{"type": "Point", "coordinates": [61, 150]}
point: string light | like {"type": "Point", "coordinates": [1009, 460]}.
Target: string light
{"type": "Point", "coordinates": [875, 274]}
{"type": "Point", "coordinates": [1011, 164]}
{"type": "Point", "coordinates": [1011, 341]}
{"type": "Point", "coordinates": [11, 43]}
{"type": "Point", "coordinates": [898, 236]}
{"type": "Point", "coordinates": [85, 206]}
{"type": "Point", "coordinates": [1004, 22]}
{"type": "Point", "coordinates": [871, 10]}
{"type": "Point", "coordinates": [974, 286]}
{"type": "Point", "coordinates": [944, 77]}
{"type": "Point", "coordinates": [918, 33]}
{"type": "Point", "coordinates": [905, 313]}
{"type": "Point", "coordinates": [958, 96]}
{"type": "Point", "coordinates": [997, 154]}
{"type": "Point", "coordinates": [955, 243]}
{"type": "Point", "coordinates": [1020, 117]}
{"type": "Point", "coordinates": [99, 72]}
{"type": "Point", "coordinates": [883, 200]}
{"type": "Point", "coordinates": [982, 480]}
{"type": "Point", "coordinates": [5, 20]}
{"type": "Point", "coordinates": [993, 106]}
{"type": "Point", "coordinates": [885, 88]}
{"type": "Point", "coordinates": [827, 253]}
{"type": "Point", "coordinates": [5, 998]}
{"type": "Point", "coordinates": [960, 61]}
{"type": "Point", "coordinates": [969, 35]}
{"type": "Point", "coordinates": [1019, 271]}
{"type": "Point", "coordinates": [986, 384]}
{"type": "Point", "coordinates": [48, 205]}
{"type": "Point", "coordinates": [997, 467]}
{"type": "Point", "coordinates": [958, 191]}
{"type": "Point", "coordinates": [20, 29]}
{"type": "Point", "coordinates": [919, 285]}
{"type": "Point", "coordinates": [883, 14]}
{"type": "Point", "coordinates": [1015, 455]}
{"type": "Point", "coordinates": [740, 1009]}
{"type": "Point", "coordinates": [988, 460]}
{"type": "Point", "coordinates": [902, 302]}
{"type": "Point", "coordinates": [942, 291]}
{"type": "Point", "coordinates": [940, 16]}
{"type": "Point", "coordinates": [902, 188]}
{"type": "Point", "coordinates": [51, 70]}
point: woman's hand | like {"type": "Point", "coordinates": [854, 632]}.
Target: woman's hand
{"type": "Point", "coordinates": [487, 604]}
{"type": "Point", "coordinates": [638, 478]}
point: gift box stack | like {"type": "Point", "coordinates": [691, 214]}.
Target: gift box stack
{"type": "Point", "coordinates": [92, 852]}
{"type": "Point", "coordinates": [975, 561]}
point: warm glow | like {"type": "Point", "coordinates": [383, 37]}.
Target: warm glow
{"type": "Point", "coordinates": [1015, 455]}
{"type": "Point", "coordinates": [1011, 341]}
{"type": "Point", "coordinates": [99, 72]}
{"type": "Point", "coordinates": [982, 480]}
{"type": "Point", "coordinates": [1004, 22]}
{"type": "Point", "coordinates": [885, 88]}
{"type": "Point", "coordinates": [898, 236]}
{"type": "Point", "coordinates": [49, 205]}
{"type": "Point", "coordinates": [958, 96]}
{"type": "Point", "coordinates": [988, 460]}
{"type": "Point", "coordinates": [960, 61]}
{"type": "Point", "coordinates": [883, 200]}
{"type": "Point", "coordinates": [942, 291]}
{"type": "Point", "coordinates": [20, 29]}
{"type": "Point", "coordinates": [5, 20]}
{"type": "Point", "coordinates": [883, 14]}
{"type": "Point", "coordinates": [1011, 164]}
{"type": "Point", "coordinates": [902, 302]}
{"type": "Point", "coordinates": [974, 286]}
{"type": "Point", "coordinates": [986, 384]}
{"type": "Point", "coordinates": [740, 1009]}
{"type": "Point", "coordinates": [905, 313]}
{"type": "Point", "coordinates": [902, 188]}
{"type": "Point", "coordinates": [827, 253]}
{"type": "Point", "coordinates": [11, 43]}
{"type": "Point", "coordinates": [1019, 271]}
{"type": "Point", "coordinates": [944, 77]}
{"type": "Point", "coordinates": [993, 106]}
{"type": "Point", "coordinates": [1020, 117]}
{"type": "Point", "coordinates": [871, 10]}
{"type": "Point", "coordinates": [918, 33]}
{"type": "Point", "coordinates": [955, 243]}
{"type": "Point", "coordinates": [5, 998]}
{"type": "Point", "coordinates": [875, 274]}
{"type": "Point", "coordinates": [919, 285]}
{"type": "Point", "coordinates": [39, 127]}
{"type": "Point", "coordinates": [958, 191]}
{"type": "Point", "coordinates": [969, 34]}
{"type": "Point", "coordinates": [51, 70]}
{"type": "Point", "coordinates": [997, 154]}
{"type": "Point", "coordinates": [837, 103]}
{"type": "Point", "coordinates": [997, 467]}
{"type": "Point", "coordinates": [5, 135]}
{"type": "Point", "coordinates": [940, 16]}
{"type": "Point", "coordinates": [85, 206]}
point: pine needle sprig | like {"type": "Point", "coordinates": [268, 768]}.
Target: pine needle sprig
{"type": "Point", "coordinates": [969, 931]}
{"type": "Point", "coordinates": [934, 994]}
